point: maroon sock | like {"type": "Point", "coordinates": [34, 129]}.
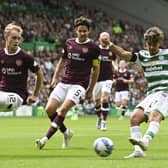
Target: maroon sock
{"type": "Point", "coordinates": [51, 117]}
{"type": "Point", "coordinates": [105, 109]}
{"type": "Point", "coordinates": [51, 132]}
{"type": "Point", "coordinates": [98, 111]}
{"type": "Point", "coordinates": [57, 123]}
{"type": "Point", "coordinates": [104, 115]}
{"type": "Point", "coordinates": [62, 126]}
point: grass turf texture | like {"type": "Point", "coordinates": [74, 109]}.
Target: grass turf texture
{"type": "Point", "coordinates": [18, 150]}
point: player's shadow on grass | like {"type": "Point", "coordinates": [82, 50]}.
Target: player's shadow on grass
{"type": "Point", "coordinates": [67, 149]}
{"type": "Point", "coordinates": [64, 156]}
{"type": "Point", "coordinates": [40, 156]}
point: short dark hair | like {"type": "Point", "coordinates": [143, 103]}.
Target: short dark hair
{"type": "Point", "coordinates": [154, 34]}
{"type": "Point", "coordinates": [82, 21]}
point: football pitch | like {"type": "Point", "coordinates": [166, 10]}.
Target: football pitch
{"type": "Point", "coordinates": [18, 150]}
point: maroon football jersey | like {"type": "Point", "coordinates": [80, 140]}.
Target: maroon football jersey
{"type": "Point", "coordinates": [79, 57]}
{"type": "Point", "coordinates": [14, 72]}
{"type": "Point", "coordinates": [120, 85]}
{"type": "Point", "coordinates": [106, 69]}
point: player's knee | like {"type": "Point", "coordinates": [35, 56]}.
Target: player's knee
{"type": "Point", "coordinates": [155, 116]}
{"type": "Point", "coordinates": [135, 119]}
{"type": "Point", "coordinates": [50, 110]}
{"type": "Point", "coordinates": [63, 110]}
{"type": "Point", "coordinates": [105, 100]}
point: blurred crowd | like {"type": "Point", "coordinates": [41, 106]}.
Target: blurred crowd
{"type": "Point", "coordinates": [52, 21]}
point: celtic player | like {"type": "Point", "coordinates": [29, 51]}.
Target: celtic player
{"type": "Point", "coordinates": [153, 108]}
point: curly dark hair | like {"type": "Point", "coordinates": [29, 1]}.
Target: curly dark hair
{"type": "Point", "coordinates": [154, 34]}
{"type": "Point", "coordinates": [83, 21]}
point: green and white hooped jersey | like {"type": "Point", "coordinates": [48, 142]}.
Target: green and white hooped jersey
{"type": "Point", "coordinates": [155, 69]}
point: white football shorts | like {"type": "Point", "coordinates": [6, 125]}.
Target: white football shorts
{"type": "Point", "coordinates": [157, 101]}
{"type": "Point", "coordinates": [101, 87]}
{"type": "Point", "coordinates": [68, 91]}
{"type": "Point", "coordinates": [9, 101]}
{"type": "Point", "coordinates": [119, 96]}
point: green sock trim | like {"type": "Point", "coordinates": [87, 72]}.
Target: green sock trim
{"type": "Point", "coordinates": [151, 134]}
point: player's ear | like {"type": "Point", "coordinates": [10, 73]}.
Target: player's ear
{"type": "Point", "coordinates": [6, 34]}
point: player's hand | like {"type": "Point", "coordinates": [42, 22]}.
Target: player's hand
{"type": "Point", "coordinates": [125, 81]}
{"type": "Point", "coordinates": [54, 82]}
{"type": "Point", "coordinates": [31, 99]}
{"type": "Point", "coordinates": [88, 95]}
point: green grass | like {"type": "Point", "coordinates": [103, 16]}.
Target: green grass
{"type": "Point", "coordinates": [18, 150]}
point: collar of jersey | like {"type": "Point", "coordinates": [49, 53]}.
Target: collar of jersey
{"type": "Point", "coordinates": [77, 41]}
{"type": "Point", "coordinates": [17, 51]}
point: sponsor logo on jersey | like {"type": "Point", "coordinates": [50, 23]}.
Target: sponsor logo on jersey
{"type": "Point", "coordinates": [10, 71]}
{"type": "Point", "coordinates": [154, 68]}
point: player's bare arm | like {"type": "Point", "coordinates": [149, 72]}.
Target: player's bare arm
{"type": "Point", "coordinates": [39, 75]}
{"type": "Point", "coordinates": [126, 55]}
{"type": "Point", "coordinates": [93, 79]}
{"type": "Point", "coordinates": [57, 72]}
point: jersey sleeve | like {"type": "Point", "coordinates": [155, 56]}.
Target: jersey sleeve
{"type": "Point", "coordinates": [134, 57]}
{"type": "Point", "coordinates": [64, 50]}
{"type": "Point", "coordinates": [95, 60]}
{"type": "Point", "coordinates": [32, 64]}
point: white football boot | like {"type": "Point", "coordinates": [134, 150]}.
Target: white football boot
{"type": "Point", "coordinates": [66, 138]}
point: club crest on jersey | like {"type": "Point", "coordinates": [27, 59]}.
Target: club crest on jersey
{"type": "Point", "coordinates": [84, 50]}
{"type": "Point", "coordinates": [19, 62]}
{"type": "Point", "coordinates": [69, 47]}
{"type": "Point", "coordinates": [110, 53]}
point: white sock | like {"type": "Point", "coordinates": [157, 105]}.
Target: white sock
{"type": "Point", "coordinates": [44, 139]}
{"type": "Point", "coordinates": [66, 132]}
{"type": "Point", "coordinates": [151, 131]}
{"type": "Point", "coordinates": [136, 133]}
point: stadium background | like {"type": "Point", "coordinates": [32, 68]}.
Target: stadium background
{"type": "Point", "coordinates": [48, 23]}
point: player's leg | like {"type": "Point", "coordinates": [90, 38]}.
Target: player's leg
{"type": "Point", "coordinates": [56, 98]}
{"type": "Point", "coordinates": [158, 112]}
{"type": "Point", "coordinates": [9, 101]}
{"type": "Point", "coordinates": [123, 106]}
{"type": "Point", "coordinates": [106, 90]}
{"type": "Point", "coordinates": [137, 118]}
{"type": "Point", "coordinates": [51, 107]}
{"type": "Point", "coordinates": [105, 110]}
{"type": "Point", "coordinates": [97, 103]}
{"type": "Point", "coordinates": [117, 100]}
{"type": "Point", "coordinates": [74, 95]}
{"type": "Point", "coordinates": [154, 124]}
{"type": "Point", "coordinates": [98, 113]}
{"type": "Point", "coordinates": [135, 131]}
{"type": "Point", "coordinates": [59, 120]}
